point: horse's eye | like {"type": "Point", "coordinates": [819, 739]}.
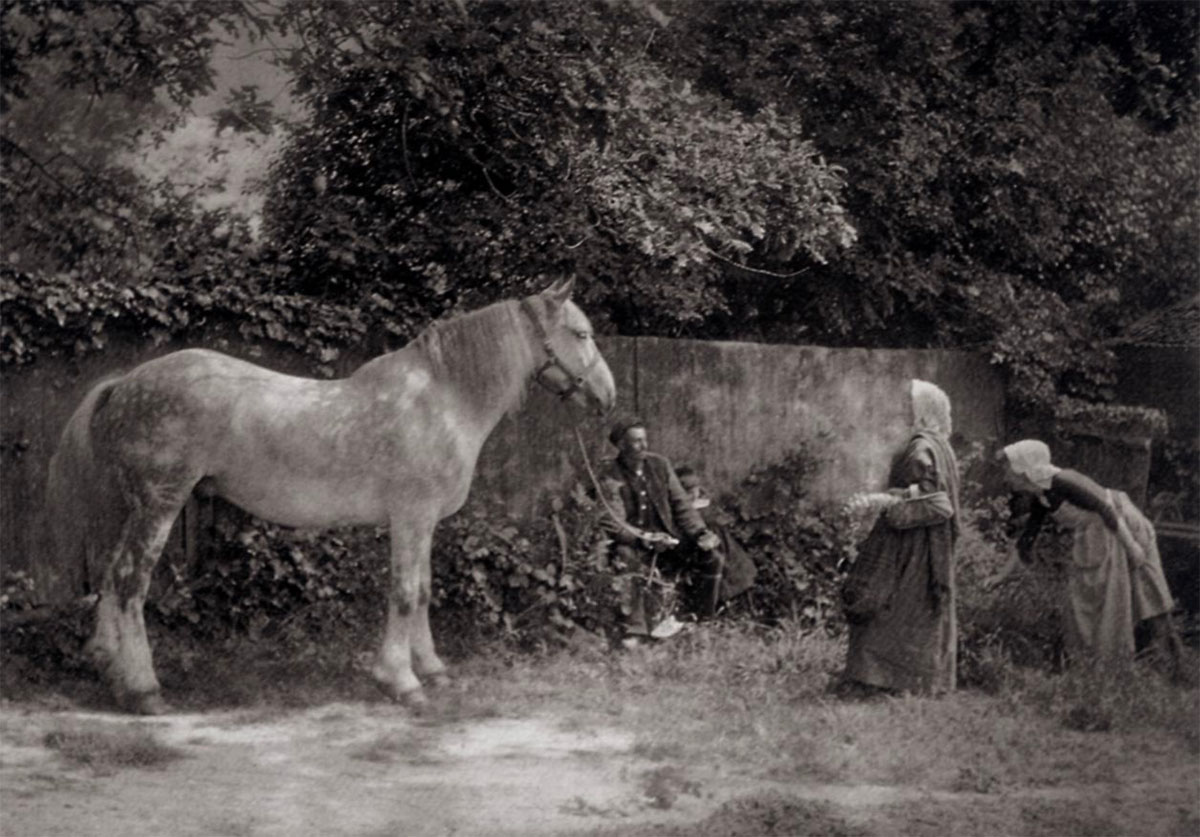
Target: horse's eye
{"type": "Point", "coordinates": [583, 335]}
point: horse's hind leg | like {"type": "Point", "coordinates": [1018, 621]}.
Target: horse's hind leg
{"type": "Point", "coordinates": [119, 647]}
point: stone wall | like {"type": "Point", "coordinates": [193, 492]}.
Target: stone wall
{"type": "Point", "coordinates": [724, 407]}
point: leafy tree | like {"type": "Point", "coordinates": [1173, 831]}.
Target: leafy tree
{"type": "Point", "coordinates": [85, 83]}
{"type": "Point", "coordinates": [455, 151]}
{"type": "Point", "coordinates": [1010, 192]}
{"type": "Point", "coordinates": [1015, 178]}
{"type": "Point", "coordinates": [133, 47]}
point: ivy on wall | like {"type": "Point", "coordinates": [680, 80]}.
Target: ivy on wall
{"type": "Point", "coordinates": [57, 315]}
{"type": "Point", "coordinates": [1112, 420]}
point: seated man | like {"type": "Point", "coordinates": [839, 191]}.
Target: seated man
{"type": "Point", "coordinates": [650, 519]}
{"type": "Point", "coordinates": [735, 574]}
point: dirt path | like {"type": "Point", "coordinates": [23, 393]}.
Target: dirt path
{"type": "Point", "coordinates": [338, 769]}
{"type": "Point", "coordinates": [372, 769]}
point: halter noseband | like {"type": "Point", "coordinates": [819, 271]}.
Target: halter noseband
{"type": "Point", "coordinates": [553, 360]}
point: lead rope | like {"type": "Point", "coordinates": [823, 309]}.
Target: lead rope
{"type": "Point", "coordinates": [587, 462]}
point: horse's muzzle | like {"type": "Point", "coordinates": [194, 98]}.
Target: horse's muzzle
{"type": "Point", "coordinates": [604, 402]}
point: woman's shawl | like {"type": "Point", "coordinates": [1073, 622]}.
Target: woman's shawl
{"type": "Point", "coordinates": [944, 478]}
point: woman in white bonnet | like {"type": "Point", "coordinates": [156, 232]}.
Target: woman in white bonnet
{"type": "Point", "coordinates": [907, 642]}
{"type": "Point", "coordinates": [1115, 576]}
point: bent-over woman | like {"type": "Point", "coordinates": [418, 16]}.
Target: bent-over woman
{"type": "Point", "coordinates": [1115, 577]}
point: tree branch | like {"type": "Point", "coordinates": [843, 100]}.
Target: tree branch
{"type": "Point", "coordinates": [404, 143]}
{"type": "Point", "coordinates": [471, 156]}
{"type": "Point", "coordinates": [37, 164]}
{"type": "Point", "coordinates": [748, 269]}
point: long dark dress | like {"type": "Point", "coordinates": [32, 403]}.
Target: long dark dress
{"type": "Point", "coordinates": [910, 644]}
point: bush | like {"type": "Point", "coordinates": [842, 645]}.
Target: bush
{"type": "Point", "coordinates": [532, 582]}
{"type": "Point", "coordinates": [493, 578]}
{"type": "Point", "coordinates": [1018, 622]}
{"type": "Point", "coordinates": [529, 583]}
{"type": "Point", "coordinates": [315, 594]}
{"type": "Point", "coordinates": [796, 544]}
{"type": "Point", "coordinates": [45, 645]}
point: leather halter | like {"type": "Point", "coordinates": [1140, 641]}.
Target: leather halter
{"type": "Point", "coordinates": [552, 359]}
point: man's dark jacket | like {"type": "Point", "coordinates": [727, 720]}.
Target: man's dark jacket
{"type": "Point", "coordinates": [666, 496]}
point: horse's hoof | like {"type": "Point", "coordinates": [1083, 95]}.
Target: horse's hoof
{"type": "Point", "coordinates": [151, 703]}
{"type": "Point", "coordinates": [440, 680]}
{"type": "Point", "coordinates": [413, 698]}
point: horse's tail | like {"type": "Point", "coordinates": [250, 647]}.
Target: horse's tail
{"type": "Point", "coordinates": [81, 503]}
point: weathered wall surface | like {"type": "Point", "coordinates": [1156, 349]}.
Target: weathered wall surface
{"type": "Point", "coordinates": [35, 404]}
{"type": "Point", "coordinates": [725, 407]}
{"type": "Point", "coordinates": [729, 407]}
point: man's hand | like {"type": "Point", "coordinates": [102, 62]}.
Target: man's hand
{"type": "Point", "coordinates": [658, 540]}
{"type": "Point", "coordinates": [708, 541]}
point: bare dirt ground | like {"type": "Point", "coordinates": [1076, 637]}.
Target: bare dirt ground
{"type": "Point", "coordinates": [360, 768]}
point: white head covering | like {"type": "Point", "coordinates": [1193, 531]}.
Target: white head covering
{"type": "Point", "coordinates": [1030, 458]}
{"type": "Point", "coordinates": [930, 408]}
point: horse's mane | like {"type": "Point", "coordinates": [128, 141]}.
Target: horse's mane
{"type": "Point", "coordinates": [483, 352]}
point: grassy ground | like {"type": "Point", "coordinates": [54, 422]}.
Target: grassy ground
{"type": "Point", "coordinates": [725, 687]}
{"type": "Point", "coordinates": [764, 699]}
{"type": "Point", "coordinates": [1029, 757]}
{"type": "Point", "coordinates": [759, 703]}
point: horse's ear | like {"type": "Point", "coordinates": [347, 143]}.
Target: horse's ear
{"type": "Point", "coordinates": [560, 291]}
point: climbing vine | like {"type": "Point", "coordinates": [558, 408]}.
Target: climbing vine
{"type": "Point", "coordinates": [49, 315]}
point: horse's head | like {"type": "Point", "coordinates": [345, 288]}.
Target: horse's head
{"type": "Point", "coordinates": [572, 367]}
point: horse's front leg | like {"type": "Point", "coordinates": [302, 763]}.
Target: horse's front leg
{"type": "Point", "coordinates": [393, 670]}
{"type": "Point", "coordinates": [425, 658]}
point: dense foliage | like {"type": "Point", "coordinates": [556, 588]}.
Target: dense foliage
{"type": "Point", "coordinates": [532, 583]}
{"type": "Point", "coordinates": [79, 96]}
{"type": "Point", "coordinates": [1014, 178]}
{"type": "Point", "coordinates": [532, 137]}
{"type": "Point", "coordinates": [58, 315]}
{"type": "Point", "coordinates": [976, 143]}
{"type": "Point", "coordinates": [1012, 195]}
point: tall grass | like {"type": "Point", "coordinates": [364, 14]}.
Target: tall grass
{"type": "Point", "coordinates": [760, 698]}
{"type": "Point", "coordinates": [1121, 698]}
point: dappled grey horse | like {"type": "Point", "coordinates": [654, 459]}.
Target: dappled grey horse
{"type": "Point", "coordinates": [396, 442]}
